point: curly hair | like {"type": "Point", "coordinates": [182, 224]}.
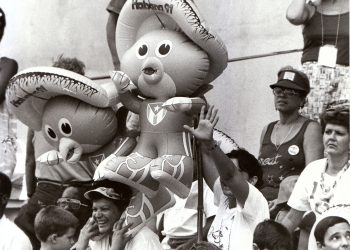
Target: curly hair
{"type": "Point", "coordinates": [338, 116]}
{"type": "Point", "coordinates": [72, 64]}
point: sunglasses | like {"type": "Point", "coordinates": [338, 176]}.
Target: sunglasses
{"type": "Point", "coordinates": [70, 203]}
{"type": "Point", "coordinates": [285, 92]}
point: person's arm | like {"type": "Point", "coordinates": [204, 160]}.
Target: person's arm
{"type": "Point", "coordinates": [313, 145]}
{"type": "Point", "coordinates": [292, 219]}
{"type": "Point", "coordinates": [228, 171]}
{"type": "Point", "coordinates": [298, 12]}
{"type": "Point", "coordinates": [9, 68]}
{"type": "Point", "coordinates": [110, 30]}
{"type": "Point", "coordinates": [30, 164]}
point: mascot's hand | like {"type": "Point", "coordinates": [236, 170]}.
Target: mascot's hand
{"type": "Point", "coordinates": [122, 81]}
{"type": "Point", "coordinates": [177, 104]}
{"type": "Point", "coordinates": [51, 158]}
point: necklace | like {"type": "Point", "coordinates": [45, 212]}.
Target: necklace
{"type": "Point", "coordinates": [278, 145]}
{"type": "Point", "coordinates": [327, 190]}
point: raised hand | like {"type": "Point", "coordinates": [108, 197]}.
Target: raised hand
{"type": "Point", "coordinates": [206, 124]}
{"type": "Point", "coordinates": [120, 238]}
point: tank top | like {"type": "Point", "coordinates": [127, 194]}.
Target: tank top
{"type": "Point", "coordinates": [312, 34]}
{"type": "Point", "coordinates": [288, 160]}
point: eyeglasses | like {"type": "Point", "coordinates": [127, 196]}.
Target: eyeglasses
{"type": "Point", "coordinates": [70, 203]}
{"type": "Point", "coordinates": [285, 92]}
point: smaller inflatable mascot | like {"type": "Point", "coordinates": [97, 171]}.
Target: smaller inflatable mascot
{"type": "Point", "coordinates": [74, 113]}
{"type": "Point", "coordinates": [168, 58]}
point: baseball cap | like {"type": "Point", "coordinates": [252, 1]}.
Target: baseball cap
{"type": "Point", "coordinates": [292, 79]}
{"type": "Point", "coordinates": [107, 192]}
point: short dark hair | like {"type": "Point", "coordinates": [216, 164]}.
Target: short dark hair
{"type": "Point", "coordinates": [5, 184]}
{"type": "Point", "coordinates": [272, 235]}
{"type": "Point", "coordinates": [72, 64]}
{"type": "Point", "coordinates": [2, 23]}
{"type": "Point", "coordinates": [118, 187]}
{"type": "Point", "coordinates": [248, 163]}
{"type": "Point", "coordinates": [338, 116]}
{"type": "Point", "coordinates": [53, 220]}
{"type": "Point", "coordinates": [323, 225]}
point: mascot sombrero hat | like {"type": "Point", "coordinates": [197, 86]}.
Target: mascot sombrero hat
{"type": "Point", "coordinates": [29, 90]}
{"type": "Point", "coordinates": [141, 16]}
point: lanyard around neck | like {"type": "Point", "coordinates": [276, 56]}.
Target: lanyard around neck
{"type": "Point", "coordinates": [322, 34]}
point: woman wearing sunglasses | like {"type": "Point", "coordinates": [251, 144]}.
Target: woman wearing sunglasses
{"type": "Point", "coordinates": [293, 141]}
{"type": "Point", "coordinates": [324, 183]}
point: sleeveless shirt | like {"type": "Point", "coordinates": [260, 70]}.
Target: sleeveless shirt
{"type": "Point", "coordinates": [312, 34]}
{"type": "Point", "coordinates": [288, 160]}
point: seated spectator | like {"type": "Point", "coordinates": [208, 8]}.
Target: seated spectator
{"type": "Point", "coordinates": [271, 235]}
{"type": "Point", "coordinates": [55, 228]}
{"type": "Point", "coordinates": [290, 143]}
{"type": "Point", "coordinates": [241, 205]}
{"type": "Point", "coordinates": [11, 236]}
{"type": "Point", "coordinates": [180, 221]}
{"type": "Point", "coordinates": [332, 233]}
{"type": "Point", "coordinates": [73, 200]}
{"type": "Point", "coordinates": [324, 182]}
{"type": "Point", "coordinates": [104, 230]}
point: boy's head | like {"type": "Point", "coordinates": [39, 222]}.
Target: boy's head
{"type": "Point", "coordinates": [248, 164]}
{"type": "Point", "coordinates": [332, 232]}
{"type": "Point", "coordinates": [55, 227]}
{"type": "Point", "coordinates": [271, 235]}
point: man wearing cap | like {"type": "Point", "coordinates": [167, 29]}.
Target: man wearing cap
{"type": "Point", "coordinates": [290, 143]}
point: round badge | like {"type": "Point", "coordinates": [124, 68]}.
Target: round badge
{"type": "Point", "coordinates": [293, 150]}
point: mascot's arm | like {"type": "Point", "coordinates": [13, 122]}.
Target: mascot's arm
{"type": "Point", "coordinates": [124, 87]}
{"type": "Point", "coordinates": [184, 104]}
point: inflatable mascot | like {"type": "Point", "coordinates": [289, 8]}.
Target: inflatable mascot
{"type": "Point", "coordinates": [168, 58]}
{"type": "Point", "coordinates": [73, 112]}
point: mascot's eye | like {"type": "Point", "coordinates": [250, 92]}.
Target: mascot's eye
{"type": "Point", "coordinates": [164, 48]}
{"type": "Point", "coordinates": [65, 127]}
{"type": "Point", "coordinates": [142, 51]}
{"type": "Point", "coordinates": [50, 133]}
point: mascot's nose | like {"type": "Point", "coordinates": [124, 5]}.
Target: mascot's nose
{"type": "Point", "coordinates": [152, 70]}
{"type": "Point", "coordinates": [70, 150]}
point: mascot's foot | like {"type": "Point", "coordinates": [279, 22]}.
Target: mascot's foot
{"type": "Point", "coordinates": [132, 170]}
{"type": "Point", "coordinates": [174, 172]}
{"type": "Point", "coordinates": [141, 208]}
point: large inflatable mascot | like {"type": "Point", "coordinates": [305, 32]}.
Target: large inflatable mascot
{"type": "Point", "coordinates": [74, 113]}
{"type": "Point", "coordinates": [168, 58]}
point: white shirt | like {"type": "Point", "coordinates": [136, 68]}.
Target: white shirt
{"type": "Point", "coordinates": [181, 219]}
{"type": "Point", "coordinates": [233, 229]}
{"type": "Point", "coordinates": [12, 237]}
{"type": "Point", "coordinates": [308, 193]}
{"type": "Point", "coordinates": [145, 239]}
